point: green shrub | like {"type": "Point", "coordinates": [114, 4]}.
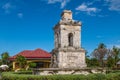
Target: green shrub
{"type": "Point", "coordinates": [26, 75]}
{"type": "Point", "coordinates": [32, 64]}
{"type": "Point", "coordinates": [23, 72]}
{"type": "Point", "coordinates": [113, 76]}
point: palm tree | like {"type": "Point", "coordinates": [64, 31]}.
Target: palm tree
{"type": "Point", "coordinates": [116, 54]}
{"type": "Point", "coordinates": [21, 60]}
{"type": "Point", "coordinates": [5, 57]}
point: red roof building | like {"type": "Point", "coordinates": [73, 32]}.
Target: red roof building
{"type": "Point", "coordinates": [39, 56]}
{"type": "Point", "coordinates": [35, 54]}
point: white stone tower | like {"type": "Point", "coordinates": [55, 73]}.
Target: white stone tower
{"type": "Point", "coordinates": [68, 52]}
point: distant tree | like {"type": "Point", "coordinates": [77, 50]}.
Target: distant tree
{"type": "Point", "coordinates": [116, 54]}
{"type": "Point", "coordinates": [88, 62]}
{"type": "Point", "coordinates": [0, 62]}
{"type": "Point", "coordinates": [110, 62]}
{"type": "Point", "coordinates": [93, 62]}
{"type": "Point", "coordinates": [87, 57]}
{"type": "Point", "coordinates": [100, 53]}
{"type": "Point", "coordinates": [21, 60]}
{"type": "Point", "coordinates": [5, 58]}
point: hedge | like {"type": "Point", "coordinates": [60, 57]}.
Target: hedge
{"type": "Point", "coordinates": [17, 76]}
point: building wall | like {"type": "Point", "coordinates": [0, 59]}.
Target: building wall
{"type": "Point", "coordinates": [46, 64]}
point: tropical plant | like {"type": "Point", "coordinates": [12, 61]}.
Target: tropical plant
{"type": "Point", "coordinates": [5, 58]}
{"type": "Point", "coordinates": [116, 54]}
{"type": "Point", "coordinates": [32, 64]}
{"type": "Point", "coordinates": [21, 60]}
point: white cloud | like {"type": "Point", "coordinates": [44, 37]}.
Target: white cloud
{"type": "Point", "coordinates": [20, 15]}
{"type": "Point", "coordinates": [53, 1]}
{"type": "Point", "coordinates": [117, 46]}
{"type": "Point", "coordinates": [114, 5]}
{"type": "Point", "coordinates": [11, 7]}
{"type": "Point", "coordinates": [62, 2]}
{"type": "Point", "coordinates": [7, 7]}
{"type": "Point", "coordinates": [111, 45]}
{"type": "Point", "coordinates": [84, 7]}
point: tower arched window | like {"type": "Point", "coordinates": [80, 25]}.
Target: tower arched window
{"type": "Point", "coordinates": [70, 39]}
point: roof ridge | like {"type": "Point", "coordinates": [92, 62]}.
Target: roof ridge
{"type": "Point", "coordinates": [40, 50]}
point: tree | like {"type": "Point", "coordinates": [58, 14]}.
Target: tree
{"type": "Point", "coordinates": [110, 62]}
{"type": "Point", "coordinates": [100, 53]}
{"type": "Point", "coordinates": [116, 54]}
{"type": "Point", "coordinates": [92, 62]}
{"type": "Point", "coordinates": [0, 62]}
{"type": "Point", "coordinates": [88, 62]}
{"type": "Point", "coordinates": [5, 58]}
{"type": "Point", "coordinates": [21, 60]}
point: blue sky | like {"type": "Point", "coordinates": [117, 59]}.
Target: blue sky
{"type": "Point", "coordinates": [27, 24]}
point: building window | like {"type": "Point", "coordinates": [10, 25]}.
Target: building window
{"type": "Point", "coordinates": [70, 39]}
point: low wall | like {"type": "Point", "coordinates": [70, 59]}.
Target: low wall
{"type": "Point", "coordinates": [58, 71]}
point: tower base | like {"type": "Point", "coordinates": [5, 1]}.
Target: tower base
{"type": "Point", "coordinates": [68, 58]}
{"type": "Point", "coordinates": [59, 71]}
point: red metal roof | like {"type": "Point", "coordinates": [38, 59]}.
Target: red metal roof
{"type": "Point", "coordinates": [38, 53]}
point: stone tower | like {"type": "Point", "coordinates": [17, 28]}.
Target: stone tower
{"type": "Point", "coordinates": [67, 52]}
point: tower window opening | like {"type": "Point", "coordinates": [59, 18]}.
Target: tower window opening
{"type": "Point", "coordinates": [70, 39]}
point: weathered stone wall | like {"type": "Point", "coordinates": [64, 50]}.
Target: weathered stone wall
{"type": "Point", "coordinates": [66, 15]}
{"type": "Point", "coordinates": [58, 71]}
{"type": "Point", "coordinates": [75, 30]}
{"type": "Point", "coordinates": [68, 57]}
{"type": "Point", "coordinates": [71, 59]}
